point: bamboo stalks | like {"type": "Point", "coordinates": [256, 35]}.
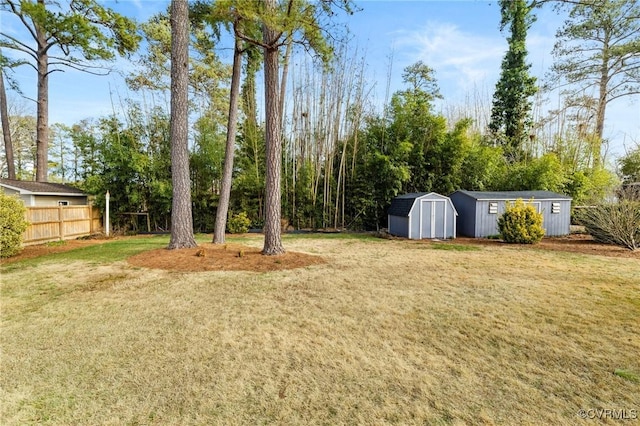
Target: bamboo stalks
{"type": "Point", "coordinates": [326, 109]}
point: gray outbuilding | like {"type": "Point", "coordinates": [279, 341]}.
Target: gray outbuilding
{"type": "Point", "coordinates": [422, 215]}
{"type": "Point", "coordinates": [479, 211]}
{"type": "Point", "coordinates": [39, 194]}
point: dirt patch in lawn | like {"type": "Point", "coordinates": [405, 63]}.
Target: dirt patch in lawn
{"type": "Point", "coordinates": [224, 257]}
{"type": "Point", "coordinates": [574, 243]}
{"type": "Point", "coordinates": [30, 252]}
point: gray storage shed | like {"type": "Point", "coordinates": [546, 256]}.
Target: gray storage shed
{"type": "Point", "coordinates": [479, 211]}
{"type": "Point", "coordinates": [422, 215]}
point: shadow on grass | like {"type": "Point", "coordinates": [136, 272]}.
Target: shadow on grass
{"type": "Point", "coordinates": [106, 252]}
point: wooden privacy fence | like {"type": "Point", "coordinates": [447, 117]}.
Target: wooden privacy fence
{"type": "Point", "coordinates": [60, 223]}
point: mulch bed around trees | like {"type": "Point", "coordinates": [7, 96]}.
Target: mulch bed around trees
{"type": "Point", "coordinates": [221, 257]}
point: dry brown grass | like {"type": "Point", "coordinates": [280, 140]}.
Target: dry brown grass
{"type": "Point", "coordinates": [386, 332]}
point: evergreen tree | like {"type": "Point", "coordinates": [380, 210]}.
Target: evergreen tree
{"type": "Point", "coordinates": [598, 51]}
{"type": "Point", "coordinates": [302, 21]}
{"type": "Point", "coordinates": [82, 27]}
{"type": "Point", "coordinates": [6, 133]}
{"type": "Point", "coordinates": [511, 110]}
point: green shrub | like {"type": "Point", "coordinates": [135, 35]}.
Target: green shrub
{"type": "Point", "coordinates": [239, 223]}
{"type": "Point", "coordinates": [521, 223]}
{"type": "Point", "coordinates": [615, 223]}
{"type": "Point", "coordinates": [12, 225]}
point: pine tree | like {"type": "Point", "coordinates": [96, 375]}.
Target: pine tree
{"type": "Point", "coordinates": [82, 27]}
{"type": "Point", "coordinates": [597, 53]}
{"type": "Point", "coordinates": [181, 213]}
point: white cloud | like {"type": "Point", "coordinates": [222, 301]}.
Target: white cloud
{"type": "Point", "coordinates": [463, 60]}
{"type": "Point", "coordinates": [460, 59]}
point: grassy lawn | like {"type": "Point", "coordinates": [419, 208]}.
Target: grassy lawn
{"type": "Point", "coordinates": [386, 332]}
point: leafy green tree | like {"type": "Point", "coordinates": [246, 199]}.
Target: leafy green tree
{"type": "Point", "coordinates": [60, 153]}
{"type": "Point", "coordinates": [307, 213]}
{"type": "Point", "coordinates": [590, 186]}
{"type": "Point", "coordinates": [511, 109]}
{"type": "Point", "coordinates": [60, 32]}
{"type": "Point", "coordinates": [85, 145]}
{"type": "Point", "coordinates": [132, 162]}
{"type": "Point", "coordinates": [423, 85]}
{"type": "Point", "coordinates": [122, 171]}
{"type": "Point", "coordinates": [411, 120]}
{"type": "Point", "coordinates": [483, 168]}
{"type": "Point", "coordinates": [630, 166]}
{"type": "Point", "coordinates": [437, 153]}
{"type": "Point", "coordinates": [545, 173]}
{"type": "Point", "coordinates": [382, 170]}
{"type": "Point", "coordinates": [206, 170]}
{"type": "Point", "coordinates": [448, 162]}
{"type": "Point", "coordinates": [598, 50]}
{"type": "Point", "coordinates": [207, 74]}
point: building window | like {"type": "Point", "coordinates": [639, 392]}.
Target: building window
{"type": "Point", "coordinates": [493, 208]}
{"type": "Point", "coordinates": [555, 208]}
{"type": "Point", "coordinates": [63, 203]}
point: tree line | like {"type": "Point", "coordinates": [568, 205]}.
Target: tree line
{"type": "Point", "coordinates": [329, 157]}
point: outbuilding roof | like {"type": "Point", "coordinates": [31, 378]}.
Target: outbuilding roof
{"type": "Point", "coordinates": [401, 205]}
{"type": "Point", "coordinates": [40, 188]}
{"type": "Point", "coordinates": [513, 195]}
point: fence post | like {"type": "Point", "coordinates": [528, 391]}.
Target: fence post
{"type": "Point", "coordinates": [107, 225]}
{"type": "Point", "coordinates": [61, 219]}
{"type": "Point", "coordinates": [90, 219]}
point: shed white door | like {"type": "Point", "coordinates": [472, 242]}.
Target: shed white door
{"type": "Point", "coordinates": [433, 222]}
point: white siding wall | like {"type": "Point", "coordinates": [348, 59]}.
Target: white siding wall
{"type": "Point", "coordinates": [52, 200]}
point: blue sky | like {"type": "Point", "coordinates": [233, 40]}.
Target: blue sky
{"type": "Point", "coordinates": [459, 39]}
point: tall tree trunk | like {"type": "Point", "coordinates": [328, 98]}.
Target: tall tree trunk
{"type": "Point", "coordinates": [602, 102]}
{"type": "Point", "coordinates": [6, 131]}
{"type": "Point", "coordinates": [283, 82]}
{"type": "Point", "coordinates": [273, 141]}
{"type": "Point", "coordinates": [181, 216]}
{"type": "Point", "coordinates": [227, 173]}
{"type": "Point", "coordinates": [42, 114]}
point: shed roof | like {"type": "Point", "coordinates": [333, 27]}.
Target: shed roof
{"type": "Point", "coordinates": [40, 188]}
{"type": "Point", "coordinates": [402, 204]}
{"type": "Point", "coordinates": [513, 195]}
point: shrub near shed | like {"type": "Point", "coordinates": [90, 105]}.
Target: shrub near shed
{"type": "Point", "coordinates": [521, 223]}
